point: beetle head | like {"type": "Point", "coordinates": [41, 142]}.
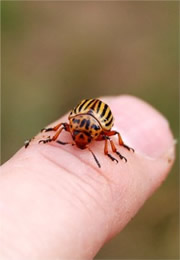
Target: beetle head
{"type": "Point", "coordinates": [81, 138]}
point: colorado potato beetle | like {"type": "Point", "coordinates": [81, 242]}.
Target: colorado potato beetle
{"type": "Point", "coordinates": [90, 120]}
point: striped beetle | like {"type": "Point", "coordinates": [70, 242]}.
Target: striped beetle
{"type": "Point", "coordinates": [90, 120]}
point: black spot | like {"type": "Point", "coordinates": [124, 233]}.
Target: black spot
{"type": "Point", "coordinates": [81, 136]}
{"type": "Point", "coordinates": [88, 134]}
{"type": "Point", "coordinates": [96, 134]}
{"type": "Point", "coordinates": [83, 122]}
{"type": "Point", "coordinates": [95, 127]}
{"type": "Point", "coordinates": [76, 121]}
{"type": "Point", "coordinates": [87, 124]}
{"type": "Point", "coordinates": [89, 140]}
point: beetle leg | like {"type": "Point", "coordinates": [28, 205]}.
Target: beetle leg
{"type": "Point", "coordinates": [55, 128]}
{"type": "Point", "coordinates": [115, 150]}
{"type": "Point", "coordinates": [106, 151]}
{"type": "Point", "coordinates": [110, 133]}
{"type": "Point", "coordinates": [53, 138]}
{"type": "Point", "coordinates": [65, 127]}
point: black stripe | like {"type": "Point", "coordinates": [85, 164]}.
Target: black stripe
{"type": "Point", "coordinates": [87, 124]}
{"type": "Point", "coordinates": [82, 104]}
{"type": "Point", "coordinates": [93, 106]}
{"type": "Point", "coordinates": [99, 105]}
{"type": "Point", "coordinates": [108, 116]}
{"type": "Point", "coordinates": [83, 122]}
{"type": "Point", "coordinates": [107, 124]}
{"type": "Point", "coordinates": [75, 110]}
{"type": "Point", "coordinates": [104, 110]}
{"type": "Point", "coordinates": [88, 104]}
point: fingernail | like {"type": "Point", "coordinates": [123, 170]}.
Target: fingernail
{"type": "Point", "coordinates": [141, 126]}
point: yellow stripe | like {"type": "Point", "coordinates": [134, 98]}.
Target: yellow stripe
{"type": "Point", "coordinates": [101, 108]}
{"type": "Point", "coordinates": [85, 105]}
{"type": "Point", "coordinates": [95, 107]}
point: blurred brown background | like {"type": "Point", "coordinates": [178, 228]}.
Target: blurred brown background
{"type": "Point", "coordinates": [56, 53]}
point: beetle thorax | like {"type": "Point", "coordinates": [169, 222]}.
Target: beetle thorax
{"type": "Point", "coordinates": [84, 128]}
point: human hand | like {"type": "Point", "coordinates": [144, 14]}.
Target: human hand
{"type": "Point", "coordinates": [55, 202]}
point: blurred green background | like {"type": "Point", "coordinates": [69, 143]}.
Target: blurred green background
{"type": "Point", "coordinates": [56, 53]}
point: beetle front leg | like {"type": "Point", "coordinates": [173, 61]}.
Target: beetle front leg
{"type": "Point", "coordinates": [54, 138]}
{"type": "Point", "coordinates": [55, 128]}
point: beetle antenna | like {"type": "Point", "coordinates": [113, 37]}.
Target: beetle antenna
{"type": "Point", "coordinates": [95, 158]}
{"type": "Point", "coordinates": [60, 142]}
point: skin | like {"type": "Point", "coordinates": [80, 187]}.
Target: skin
{"type": "Point", "coordinates": [55, 203]}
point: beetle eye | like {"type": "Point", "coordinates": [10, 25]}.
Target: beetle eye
{"type": "Point", "coordinates": [75, 132]}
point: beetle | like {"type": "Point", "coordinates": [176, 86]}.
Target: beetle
{"type": "Point", "coordinates": [90, 120]}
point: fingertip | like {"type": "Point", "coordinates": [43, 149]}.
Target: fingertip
{"type": "Point", "coordinates": [141, 125]}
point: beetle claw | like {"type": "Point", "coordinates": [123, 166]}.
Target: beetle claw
{"type": "Point", "coordinates": [129, 148]}
{"type": "Point", "coordinates": [26, 143]}
{"type": "Point", "coordinates": [121, 157]}
{"type": "Point", "coordinates": [112, 158]}
{"type": "Point", "coordinates": [45, 141]}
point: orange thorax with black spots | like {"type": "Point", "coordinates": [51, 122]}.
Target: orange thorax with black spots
{"type": "Point", "coordinates": [84, 129]}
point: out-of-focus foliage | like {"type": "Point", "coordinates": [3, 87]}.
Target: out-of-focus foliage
{"type": "Point", "coordinates": [56, 53]}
